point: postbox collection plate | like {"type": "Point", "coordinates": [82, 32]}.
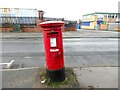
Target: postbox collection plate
{"type": "Point", "coordinates": [53, 42]}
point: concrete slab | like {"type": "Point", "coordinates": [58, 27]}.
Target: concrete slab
{"type": "Point", "coordinates": [97, 77]}
{"type": "Point", "coordinates": [20, 78]}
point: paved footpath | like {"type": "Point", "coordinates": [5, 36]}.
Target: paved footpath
{"type": "Point", "coordinates": [20, 78]}
{"type": "Point", "coordinates": [95, 77]}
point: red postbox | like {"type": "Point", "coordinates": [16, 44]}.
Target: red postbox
{"type": "Point", "coordinates": [53, 46]}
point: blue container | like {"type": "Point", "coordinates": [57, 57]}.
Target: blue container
{"type": "Point", "coordinates": [99, 21]}
{"type": "Point", "coordinates": [78, 26]}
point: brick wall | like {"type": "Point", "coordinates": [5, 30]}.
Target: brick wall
{"type": "Point", "coordinates": [6, 29]}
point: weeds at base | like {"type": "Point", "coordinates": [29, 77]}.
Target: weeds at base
{"type": "Point", "coordinates": [69, 82]}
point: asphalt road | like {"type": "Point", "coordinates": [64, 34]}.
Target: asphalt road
{"type": "Point", "coordinates": [78, 52]}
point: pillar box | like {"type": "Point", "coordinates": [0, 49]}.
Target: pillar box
{"type": "Point", "coordinates": [53, 47]}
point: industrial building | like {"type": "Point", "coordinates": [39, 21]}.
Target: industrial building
{"type": "Point", "coordinates": [101, 20]}
{"type": "Point", "coordinates": [27, 20]}
{"type": "Point", "coordinates": [20, 19]}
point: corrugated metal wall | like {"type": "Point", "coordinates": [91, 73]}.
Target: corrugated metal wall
{"type": "Point", "coordinates": [18, 20]}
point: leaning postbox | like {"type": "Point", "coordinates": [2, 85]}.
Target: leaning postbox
{"type": "Point", "coordinates": [53, 46]}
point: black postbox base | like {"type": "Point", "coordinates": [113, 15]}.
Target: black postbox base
{"type": "Point", "coordinates": [56, 75]}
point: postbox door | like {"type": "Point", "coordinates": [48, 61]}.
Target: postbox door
{"type": "Point", "coordinates": [56, 51]}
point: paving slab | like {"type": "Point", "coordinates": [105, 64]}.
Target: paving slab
{"type": "Point", "coordinates": [19, 78]}
{"type": "Point", "coordinates": [97, 77]}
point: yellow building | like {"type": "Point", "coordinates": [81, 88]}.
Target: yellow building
{"type": "Point", "coordinates": [98, 20]}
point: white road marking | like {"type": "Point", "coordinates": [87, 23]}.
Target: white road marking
{"type": "Point", "coordinates": [8, 65]}
{"type": "Point", "coordinates": [27, 57]}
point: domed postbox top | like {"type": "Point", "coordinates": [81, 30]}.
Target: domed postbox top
{"type": "Point", "coordinates": [51, 24]}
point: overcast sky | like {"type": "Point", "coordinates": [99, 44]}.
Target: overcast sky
{"type": "Point", "coordinates": [68, 9]}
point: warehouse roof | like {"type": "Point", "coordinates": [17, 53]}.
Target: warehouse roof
{"type": "Point", "coordinates": [99, 13]}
